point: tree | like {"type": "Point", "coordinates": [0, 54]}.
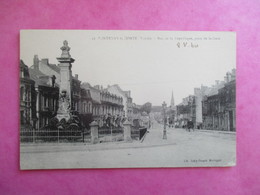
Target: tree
{"type": "Point", "coordinates": [147, 107]}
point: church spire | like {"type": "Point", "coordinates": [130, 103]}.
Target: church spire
{"type": "Point", "coordinates": [172, 101]}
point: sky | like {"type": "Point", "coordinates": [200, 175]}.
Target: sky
{"type": "Point", "coordinates": [151, 64]}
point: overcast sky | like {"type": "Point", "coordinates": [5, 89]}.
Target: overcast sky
{"type": "Point", "coordinates": [151, 69]}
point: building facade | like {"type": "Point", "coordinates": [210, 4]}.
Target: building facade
{"type": "Point", "coordinates": [227, 107]}
{"type": "Point", "coordinates": [103, 104]}
{"type": "Point", "coordinates": [211, 107]}
{"type": "Point", "coordinates": [186, 111]}
{"type": "Point", "coordinates": [219, 109]}
{"type": "Point", "coordinates": [46, 96]}
{"type": "Point", "coordinates": [27, 98]}
{"type": "Point", "coordinates": [126, 100]}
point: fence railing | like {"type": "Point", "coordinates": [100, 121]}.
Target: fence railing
{"type": "Point", "coordinates": [28, 134]}
{"type": "Point", "coordinates": [110, 131]}
{"type": "Point", "coordinates": [49, 135]}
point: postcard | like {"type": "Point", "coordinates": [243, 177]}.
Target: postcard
{"type": "Point", "coordinates": [127, 99]}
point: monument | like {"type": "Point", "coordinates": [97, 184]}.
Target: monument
{"type": "Point", "coordinates": [65, 83]}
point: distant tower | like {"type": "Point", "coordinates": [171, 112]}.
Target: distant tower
{"type": "Point", "coordinates": [172, 101]}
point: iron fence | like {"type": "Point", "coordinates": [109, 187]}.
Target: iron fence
{"type": "Point", "coordinates": [113, 131]}
{"type": "Point", "coordinates": [29, 134]}
{"type": "Point", "coordinates": [50, 135]}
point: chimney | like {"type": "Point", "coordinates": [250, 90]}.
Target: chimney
{"type": "Point", "coordinates": [197, 91]}
{"type": "Point", "coordinates": [217, 82]}
{"type": "Point", "coordinates": [97, 87]}
{"type": "Point", "coordinates": [45, 61]}
{"type": "Point", "coordinates": [36, 62]}
{"type": "Point", "coordinates": [53, 78]}
{"type": "Point", "coordinates": [228, 76]}
{"type": "Point", "coordinates": [76, 76]}
{"type": "Point", "coordinates": [225, 79]}
{"type": "Point", "coordinates": [233, 76]}
{"type": "Point", "coordinates": [234, 71]}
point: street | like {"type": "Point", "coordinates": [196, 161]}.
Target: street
{"type": "Point", "coordinates": [181, 149]}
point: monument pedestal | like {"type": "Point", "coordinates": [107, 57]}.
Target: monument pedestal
{"type": "Point", "coordinates": [127, 131]}
{"type": "Point", "coordinates": [65, 83]}
{"type": "Point", "coordinates": [94, 132]}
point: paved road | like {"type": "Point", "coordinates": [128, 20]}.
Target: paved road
{"type": "Point", "coordinates": [182, 148]}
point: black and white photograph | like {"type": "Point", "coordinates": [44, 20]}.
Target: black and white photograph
{"type": "Point", "coordinates": [127, 99]}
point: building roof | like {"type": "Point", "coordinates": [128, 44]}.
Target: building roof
{"type": "Point", "coordinates": [45, 61]}
{"type": "Point", "coordinates": [35, 75]}
{"type": "Point", "coordinates": [39, 77]}
{"type": "Point", "coordinates": [24, 68]}
{"type": "Point", "coordinates": [94, 96]}
{"type": "Point", "coordinates": [85, 93]}
{"type": "Point", "coordinates": [125, 93]}
{"type": "Point", "coordinates": [25, 76]}
{"type": "Point", "coordinates": [214, 90]}
{"type": "Point", "coordinates": [86, 85]}
{"type": "Point", "coordinates": [54, 67]}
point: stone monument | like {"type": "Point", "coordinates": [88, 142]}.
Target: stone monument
{"type": "Point", "coordinates": [65, 82]}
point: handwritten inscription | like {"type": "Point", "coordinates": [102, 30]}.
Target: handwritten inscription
{"type": "Point", "coordinates": [187, 44]}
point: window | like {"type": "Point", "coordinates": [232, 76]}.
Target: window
{"type": "Point", "coordinates": [89, 108]}
{"type": "Point", "coordinates": [84, 109]}
{"type": "Point", "coordinates": [76, 106]}
{"type": "Point", "coordinates": [22, 117]}
{"type": "Point", "coordinates": [22, 93]}
{"type": "Point", "coordinates": [54, 105]}
{"type": "Point", "coordinates": [51, 103]}
{"type": "Point", "coordinates": [42, 102]}
{"type": "Point", "coordinates": [28, 95]}
{"type": "Point", "coordinates": [45, 102]}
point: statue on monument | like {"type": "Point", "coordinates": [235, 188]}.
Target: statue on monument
{"type": "Point", "coordinates": [65, 50]}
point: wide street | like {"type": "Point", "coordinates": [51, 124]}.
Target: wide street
{"type": "Point", "coordinates": [181, 149]}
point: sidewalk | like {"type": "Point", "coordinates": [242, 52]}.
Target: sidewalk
{"type": "Point", "coordinates": [216, 131]}
{"type": "Point", "coordinates": [155, 136]}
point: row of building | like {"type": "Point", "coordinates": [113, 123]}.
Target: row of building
{"type": "Point", "coordinates": [40, 91]}
{"type": "Point", "coordinates": [210, 107]}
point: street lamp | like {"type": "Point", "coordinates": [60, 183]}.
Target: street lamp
{"type": "Point", "coordinates": [164, 120]}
